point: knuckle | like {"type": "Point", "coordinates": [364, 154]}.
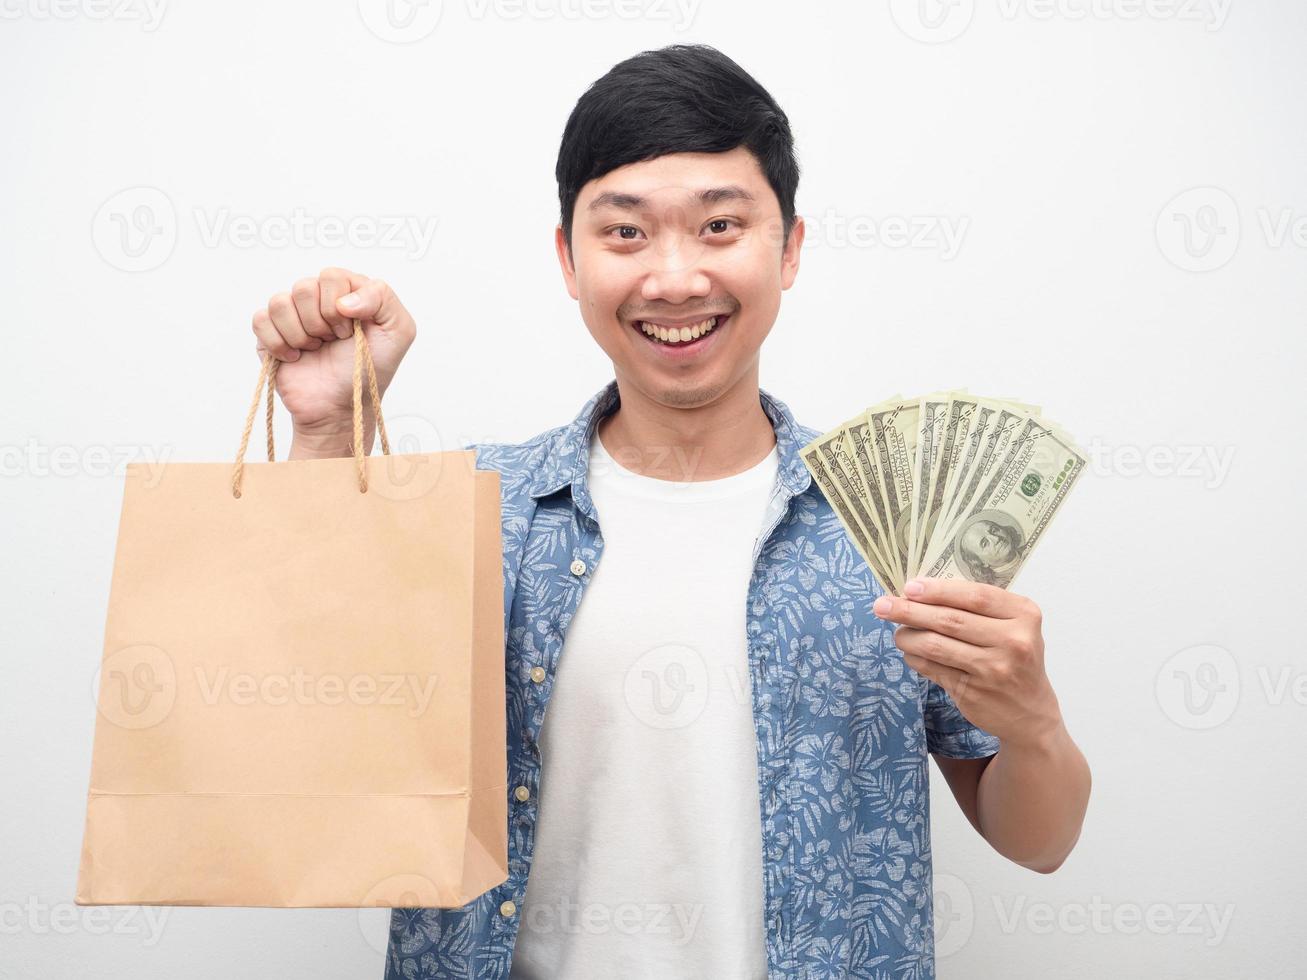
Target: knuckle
{"type": "Point", "coordinates": [280, 303]}
{"type": "Point", "coordinates": [951, 620]}
{"type": "Point", "coordinates": [327, 310]}
{"type": "Point", "coordinates": [1035, 614]}
{"type": "Point", "coordinates": [982, 600]}
{"type": "Point", "coordinates": [934, 645]}
{"type": "Point", "coordinates": [305, 289]}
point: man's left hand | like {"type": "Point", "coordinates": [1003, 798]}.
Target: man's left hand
{"type": "Point", "coordinates": [984, 646]}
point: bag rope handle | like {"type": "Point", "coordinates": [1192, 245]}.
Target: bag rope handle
{"type": "Point", "coordinates": [268, 375]}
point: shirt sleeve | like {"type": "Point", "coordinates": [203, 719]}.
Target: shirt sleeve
{"type": "Point", "coordinates": [948, 733]}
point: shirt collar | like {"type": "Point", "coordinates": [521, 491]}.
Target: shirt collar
{"type": "Point", "coordinates": [566, 454]}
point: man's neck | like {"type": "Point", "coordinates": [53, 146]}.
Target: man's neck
{"type": "Point", "coordinates": [718, 439]}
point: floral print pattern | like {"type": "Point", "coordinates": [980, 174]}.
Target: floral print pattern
{"type": "Point", "coordinates": [843, 726]}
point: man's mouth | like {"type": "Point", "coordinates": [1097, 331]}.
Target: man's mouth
{"type": "Point", "coordinates": [680, 336]}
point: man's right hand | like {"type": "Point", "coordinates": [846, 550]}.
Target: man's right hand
{"type": "Point", "coordinates": [310, 330]}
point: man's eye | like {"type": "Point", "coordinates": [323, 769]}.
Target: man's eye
{"type": "Point", "coordinates": [623, 229]}
{"type": "Point", "coordinates": [713, 225]}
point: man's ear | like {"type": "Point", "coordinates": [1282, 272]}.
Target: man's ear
{"type": "Point", "coordinates": [790, 254]}
{"type": "Point", "coordinates": [565, 261]}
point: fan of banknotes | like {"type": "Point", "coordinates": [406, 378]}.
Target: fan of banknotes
{"type": "Point", "coordinates": [947, 485]}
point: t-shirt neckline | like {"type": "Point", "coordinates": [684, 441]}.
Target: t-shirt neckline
{"type": "Point", "coordinates": [629, 482]}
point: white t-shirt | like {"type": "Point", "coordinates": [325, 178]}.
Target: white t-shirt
{"type": "Point", "coordinates": [648, 852]}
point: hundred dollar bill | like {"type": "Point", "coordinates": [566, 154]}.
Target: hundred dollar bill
{"type": "Point", "coordinates": [958, 413]}
{"type": "Point", "coordinates": [837, 449]}
{"type": "Point", "coordinates": [966, 446]}
{"type": "Point", "coordinates": [996, 533]}
{"type": "Point", "coordinates": [894, 428]}
{"type": "Point", "coordinates": [825, 459]}
{"type": "Point", "coordinates": [990, 435]}
{"type": "Point", "coordinates": [930, 423]}
{"type": "Point", "coordinates": [985, 437]}
{"type": "Point", "coordinates": [859, 434]}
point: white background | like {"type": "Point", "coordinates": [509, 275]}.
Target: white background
{"type": "Point", "coordinates": [1154, 321]}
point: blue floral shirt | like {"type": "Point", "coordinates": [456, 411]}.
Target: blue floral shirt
{"type": "Point", "coordinates": [843, 725]}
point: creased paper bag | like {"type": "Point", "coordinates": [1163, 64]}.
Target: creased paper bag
{"type": "Point", "coordinates": [301, 697]}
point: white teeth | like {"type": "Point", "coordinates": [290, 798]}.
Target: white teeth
{"type": "Point", "coordinates": [678, 335]}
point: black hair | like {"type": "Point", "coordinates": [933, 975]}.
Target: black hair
{"type": "Point", "coordinates": [682, 98]}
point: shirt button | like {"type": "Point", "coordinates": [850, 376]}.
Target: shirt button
{"type": "Point", "coordinates": [537, 674]}
{"type": "Point", "coordinates": [578, 566]}
{"type": "Point", "coordinates": [508, 909]}
{"type": "Point", "coordinates": [522, 793]}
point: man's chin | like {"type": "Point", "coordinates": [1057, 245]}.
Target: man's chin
{"type": "Point", "coordinates": [685, 392]}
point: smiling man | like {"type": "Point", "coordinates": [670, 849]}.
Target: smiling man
{"type": "Point", "coordinates": [718, 726]}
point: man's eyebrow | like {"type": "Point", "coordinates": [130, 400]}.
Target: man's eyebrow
{"type": "Point", "coordinates": [634, 202]}
{"type": "Point", "coordinates": [731, 192]}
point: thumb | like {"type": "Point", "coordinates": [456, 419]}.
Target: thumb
{"type": "Point", "coordinates": [373, 300]}
{"type": "Point", "coordinates": [393, 328]}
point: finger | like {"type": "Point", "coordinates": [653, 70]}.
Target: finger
{"type": "Point", "coordinates": [281, 308]}
{"type": "Point", "coordinates": [951, 679]}
{"type": "Point", "coordinates": [373, 300]}
{"type": "Point", "coordinates": [304, 294]}
{"type": "Point", "coordinates": [976, 597]}
{"type": "Point", "coordinates": [333, 283]}
{"type": "Point", "coordinates": [268, 339]}
{"type": "Point", "coordinates": [981, 631]}
{"type": "Point", "coordinates": [937, 647]}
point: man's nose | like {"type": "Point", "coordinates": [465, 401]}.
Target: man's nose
{"type": "Point", "coordinates": [675, 269]}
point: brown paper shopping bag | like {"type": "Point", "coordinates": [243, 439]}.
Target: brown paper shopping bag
{"type": "Point", "coordinates": [301, 698]}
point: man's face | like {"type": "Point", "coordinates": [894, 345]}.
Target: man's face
{"type": "Point", "coordinates": [673, 242]}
